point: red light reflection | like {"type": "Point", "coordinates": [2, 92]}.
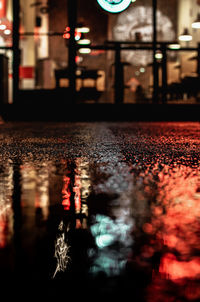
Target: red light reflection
{"type": "Point", "coordinates": [77, 191]}
{"type": "Point", "coordinates": [5, 215]}
{"type": "Point", "coordinates": [175, 225]}
{"type": "Point", "coordinates": [66, 193]}
{"type": "Point", "coordinates": [3, 233]}
{"type": "Point", "coordinates": [174, 269]}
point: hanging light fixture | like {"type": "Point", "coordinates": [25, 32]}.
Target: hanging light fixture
{"type": "Point", "coordinates": [185, 36]}
{"type": "Point", "coordinates": [196, 23]}
{"type": "Point", "coordinates": [85, 50]}
{"type": "Point", "coordinates": [84, 42]}
{"type": "Point", "coordinates": [83, 29]}
{"type": "Point", "coordinates": [174, 46]}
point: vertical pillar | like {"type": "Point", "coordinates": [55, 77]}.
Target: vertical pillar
{"type": "Point", "coordinates": [16, 51]}
{"type": "Point", "coordinates": [119, 82]}
{"type": "Point", "coordinates": [198, 60]}
{"type": "Point", "coordinates": [29, 52]}
{"type": "Point", "coordinates": [72, 18]}
{"type": "Point", "coordinates": [164, 73]}
{"type": "Point", "coordinates": [155, 65]}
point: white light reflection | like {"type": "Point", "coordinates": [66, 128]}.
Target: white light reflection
{"type": "Point", "coordinates": [42, 200]}
{"type": "Point", "coordinates": [82, 184]}
{"type": "Point", "coordinates": [61, 250]}
{"type": "Point", "coordinates": [112, 227]}
{"type": "Point", "coordinates": [35, 186]}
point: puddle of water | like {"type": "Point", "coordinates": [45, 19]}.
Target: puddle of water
{"type": "Point", "coordinates": [124, 221]}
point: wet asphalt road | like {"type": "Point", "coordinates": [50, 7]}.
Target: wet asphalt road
{"type": "Point", "coordinates": [99, 210]}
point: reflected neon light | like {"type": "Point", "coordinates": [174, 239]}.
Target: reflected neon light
{"type": "Point", "coordinates": [114, 6]}
{"type": "Point", "coordinates": [61, 250]}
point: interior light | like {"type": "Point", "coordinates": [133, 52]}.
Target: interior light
{"type": "Point", "coordinates": [142, 69]}
{"type": "Point", "coordinates": [84, 42]}
{"type": "Point", "coordinates": [77, 36]}
{"type": "Point", "coordinates": [85, 50]}
{"type": "Point", "coordinates": [196, 23]}
{"type": "Point", "coordinates": [83, 30]}
{"type": "Point", "coordinates": [66, 36]}
{"type": "Point", "coordinates": [2, 26]}
{"type": "Point", "coordinates": [7, 31]}
{"type": "Point", "coordinates": [158, 56]}
{"type": "Point", "coordinates": [185, 36]}
{"type": "Point", "coordinates": [174, 46]}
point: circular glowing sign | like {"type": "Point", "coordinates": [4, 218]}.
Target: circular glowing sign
{"type": "Point", "coordinates": [114, 6]}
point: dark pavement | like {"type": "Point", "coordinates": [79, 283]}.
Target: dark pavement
{"type": "Point", "coordinates": [100, 210]}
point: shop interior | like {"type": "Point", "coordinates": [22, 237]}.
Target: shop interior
{"type": "Point", "coordinates": [114, 51]}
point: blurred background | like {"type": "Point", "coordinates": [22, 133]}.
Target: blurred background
{"type": "Point", "coordinates": [147, 52]}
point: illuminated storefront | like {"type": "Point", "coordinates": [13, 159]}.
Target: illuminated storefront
{"type": "Point", "coordinates": [41, 38]}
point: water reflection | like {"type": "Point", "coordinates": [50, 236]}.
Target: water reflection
{"type": "Point", "coordinates": [6, 211]}
{"type": "Point", "coordinates": [45, 196]}
{"type": "Point", "coordinates": [76, 189]}
{"type": "Point", "coordinates": [126, 223]}
{"type": "Point", "coordinates": [35, 187]}
{"type": "Point", "coordinates": [173, 235]}
{"type": "Point", "coordinates": [113, 241]}
{"type": "Point", "coordinates": [61, 250]}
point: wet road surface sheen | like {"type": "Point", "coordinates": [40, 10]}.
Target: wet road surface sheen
{"type": "Point", "coordinates": [100, 210]}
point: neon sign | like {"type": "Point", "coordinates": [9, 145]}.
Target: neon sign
{"type": "Point", "coordinates": [114, 6]}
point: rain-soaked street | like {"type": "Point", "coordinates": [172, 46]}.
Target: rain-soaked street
{"type": "Point", "coordinates": [92, 211]}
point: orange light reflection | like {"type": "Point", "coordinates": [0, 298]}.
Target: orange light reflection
{"type": "Point", "coordinates": [66, 193]}
{"type": "Point", "coordinates": [174, 269]}
{"type": "Point", "coordinates": [77, 191]}
{"type": "Point", "coordinates": [175, 225]}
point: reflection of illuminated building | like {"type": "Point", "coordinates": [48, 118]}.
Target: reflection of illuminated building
{"type": "Point", "coordinates": [61, 250]}
{"type": "Point", "coordinates": [66, 194]}
{"type": "Point", "coordinates": [42, 198]}
{"type": "Point", "coordinates": [80, 189]}
{"type": "Point", "coordinates": [174, 227]}
{"type": "Point", "coordinates": [85, 182]}
{"type": "Point", "coordinates": [6, 211]}
{"type": "Point", "coordinates": [35, 187]}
